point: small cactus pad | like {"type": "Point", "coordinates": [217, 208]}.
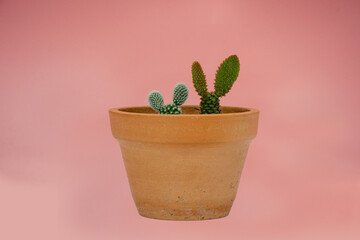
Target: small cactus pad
{"type": "Point", "coordinates": [156, 100]}
{"type": "Point", "coordinates": [170, 109]}
{"type": "Point", "coordinates": [180, 94]}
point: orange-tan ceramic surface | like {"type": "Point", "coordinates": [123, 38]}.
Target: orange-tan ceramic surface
{"type": "Point", "coordinates": [184, 167]}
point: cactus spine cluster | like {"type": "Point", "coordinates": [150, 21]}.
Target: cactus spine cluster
{"type": "Point", "coordinates": [226, 75]}
{"type": "Point", "coordinates": [180, 95]}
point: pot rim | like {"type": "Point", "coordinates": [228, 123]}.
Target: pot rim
{"type": "Point", "coordinates": [242, 111]}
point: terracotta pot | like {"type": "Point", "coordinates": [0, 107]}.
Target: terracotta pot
{"type": "Point", "coordinates": [184, 167]}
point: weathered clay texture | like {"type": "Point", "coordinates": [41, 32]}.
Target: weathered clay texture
{"type": "Point", "coordinates": [184, 167]}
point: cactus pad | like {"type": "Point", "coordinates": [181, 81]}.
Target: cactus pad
{"type": "Point", "coordinates": [170, 109]}
{"type": "Point", "coordinates": [156, 100]}
{"type": "Point", "coordinates": [180, 94]}
{"type": "Point", "coordinates": [209, 104]}
{"type": "Point", "coordinates": [199, 79]}
{"type": "Point", "coordinates": [226, 75]}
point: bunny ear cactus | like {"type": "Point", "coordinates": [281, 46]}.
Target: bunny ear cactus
{"type": "Point", "coordinates": [180, 95]}
{"type": "Point", "coordinates": [226, 75]}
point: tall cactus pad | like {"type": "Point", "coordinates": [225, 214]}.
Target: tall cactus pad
{"type": "Point", "coordinates": [156, 100]}
{"type": "Point", "coordinates": [180, 94]}
{"type": "Point", "coordinates": [226, 75]}
{"type": "Point", "coordinates": [199, 79]}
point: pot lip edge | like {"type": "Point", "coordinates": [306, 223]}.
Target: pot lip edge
{"type": "Point", "coordinates": [119, 111]}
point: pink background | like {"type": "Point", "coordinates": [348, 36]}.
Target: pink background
{"type": "Point", "coordinates": [63, 64]}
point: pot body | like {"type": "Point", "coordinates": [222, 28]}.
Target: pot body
{"type": "Point", "coordinates": [184, 167]}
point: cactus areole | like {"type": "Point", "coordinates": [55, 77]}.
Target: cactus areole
{"type": "Point", "coordinates": [226, 75]}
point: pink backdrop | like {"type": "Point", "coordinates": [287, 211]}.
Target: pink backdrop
{"type": "Point", "coordinates": [63, 64]}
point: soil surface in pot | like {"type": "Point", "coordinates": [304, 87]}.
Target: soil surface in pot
{"type": "Point", "coordinates": [187, 109]}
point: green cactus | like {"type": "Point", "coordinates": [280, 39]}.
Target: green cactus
{"type": "Point", "coordinates": [180, 95]}
{"type": "Point", "coordinates": [226, 75]}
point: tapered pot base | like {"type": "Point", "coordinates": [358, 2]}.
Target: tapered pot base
{"type": "Point", "coordinates": [184, 215]}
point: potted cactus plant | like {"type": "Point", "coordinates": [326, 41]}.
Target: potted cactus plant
{"type": "Point", "coordinates": [225, 78]}
{"type": "Point", "coordinates": [185, 162]}
{"type": "Point", "coordinates": [180, 95]}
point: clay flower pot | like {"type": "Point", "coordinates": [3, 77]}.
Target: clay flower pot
{"type": "Point", "coordinates": [184, 167]}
